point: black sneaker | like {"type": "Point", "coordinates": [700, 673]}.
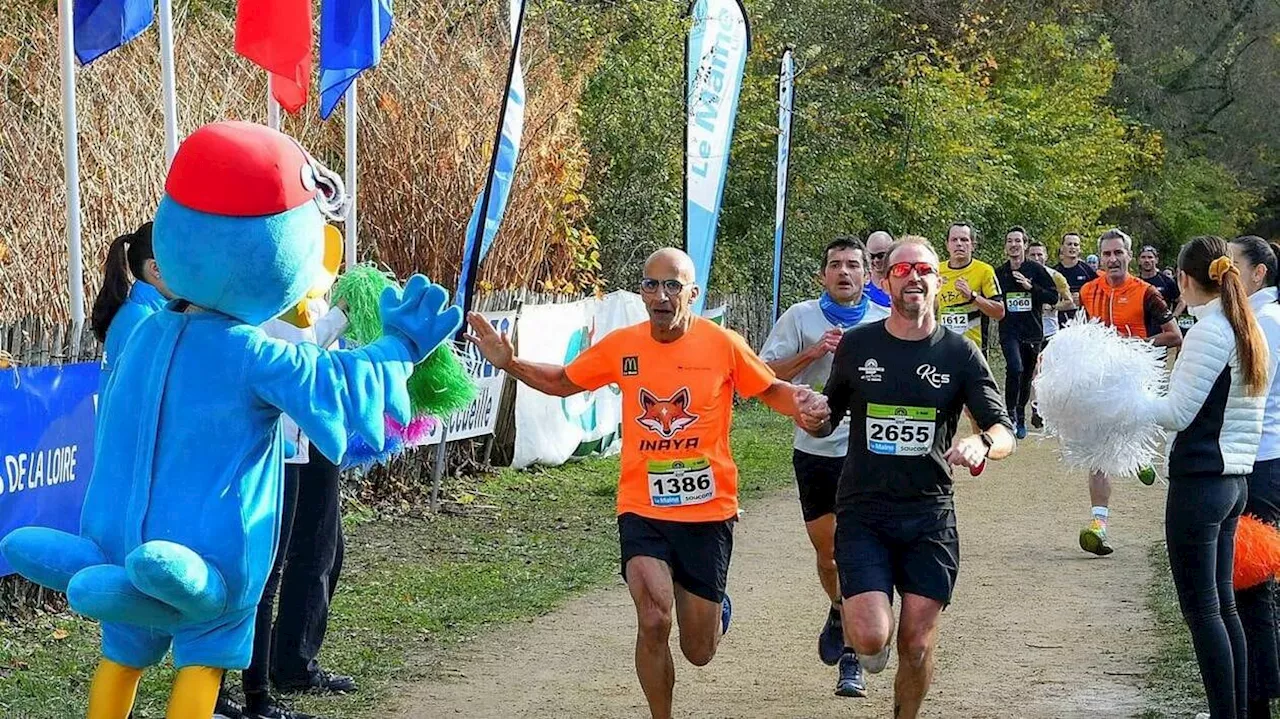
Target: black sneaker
{"type": "Point", "coordinates": [1037, 421]}
{"type": "Point", "coordinates": [321, 682]}
{"type": "Point", "coordinates": [273, 708]}
{"type": "Point", "coordinates": [850, 683]}
{"type": "Point", "coordinates": [226, 708]}
{"type": "Point", "coordinates": [831, 640]}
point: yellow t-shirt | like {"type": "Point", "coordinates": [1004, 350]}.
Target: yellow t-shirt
{"type": "Point", "coordinates": [954, 311]}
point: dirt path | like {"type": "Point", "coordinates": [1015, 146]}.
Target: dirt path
{"type": "Point", "coordinates": [1037, 628]}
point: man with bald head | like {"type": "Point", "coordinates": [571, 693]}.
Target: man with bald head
{"type": "Point", "coordinates": [878, 243]}
{"type": "Point", "coordinates": [678, 490]}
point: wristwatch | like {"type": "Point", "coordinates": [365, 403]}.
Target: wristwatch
{"type": "Point", "coordinates": [987, 441]}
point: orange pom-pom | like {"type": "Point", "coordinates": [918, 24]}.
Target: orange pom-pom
{"type": "Point", "coordinates": [1257, 552]}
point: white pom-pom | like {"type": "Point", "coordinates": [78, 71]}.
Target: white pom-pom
{"type": "Point", "coordinates": [1093, 391]}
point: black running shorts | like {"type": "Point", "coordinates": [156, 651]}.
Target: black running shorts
{"type": "Point", "coordinates": [917, 553]}
{"type": "Point", "coordinates": [697, 552]}
{"type": "Point", "coordinates": [817, 477]}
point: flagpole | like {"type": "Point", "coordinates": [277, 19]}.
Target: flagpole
{"type": "Point", "coordinates": [273, 107]}
{"type": "Point", "coordinates": [468, 298]}
{"type": "Point", "coordinates": [167, 82]}
{"type": "Point", "coordinates": [352, 128]}
{"type": "Point", "coordinates": [71, 158]}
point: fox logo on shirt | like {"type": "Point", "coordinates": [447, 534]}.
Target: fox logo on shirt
{"type": "Point", "coordinates": [666, 417]}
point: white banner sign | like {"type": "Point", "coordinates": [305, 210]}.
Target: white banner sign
{"type": "Point", "coordinates": [550, 430]}
{"type": "Point", "coordinates": [481, 416]}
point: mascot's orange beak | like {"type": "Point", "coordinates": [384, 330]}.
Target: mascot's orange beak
{"type": "Point", "coordinates": [302, 314]}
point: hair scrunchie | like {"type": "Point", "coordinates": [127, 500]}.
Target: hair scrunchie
{"type": "Point", "coordinates": [1219, 268]}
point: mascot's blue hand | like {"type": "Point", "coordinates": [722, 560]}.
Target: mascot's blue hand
{"type": "Point", "coordinates": [418, 316]}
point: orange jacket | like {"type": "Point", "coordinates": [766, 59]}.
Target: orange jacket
{"type": "Point", "coordinates": [1126, 307]}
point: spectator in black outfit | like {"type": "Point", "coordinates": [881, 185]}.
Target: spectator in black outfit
{"type": "Point", "coordinates": [1256, 259]}
{"type": "Point", "coordinates": [1215, 406]}
{"type": "Point", "coordinates": [311, 572]}
{"type": "Point", "coordinates": [1027, 288]}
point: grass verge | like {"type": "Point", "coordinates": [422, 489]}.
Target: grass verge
{"type": "Point", "coordinates": [1173, 685]}
{"type": "Point", "coordinates": [515, 545]}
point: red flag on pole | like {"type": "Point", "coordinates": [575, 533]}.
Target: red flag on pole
{"type": "Point", "coordinates": [276, 35]}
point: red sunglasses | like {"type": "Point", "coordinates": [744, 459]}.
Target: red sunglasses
{"type": "Point", "coordinates": [902, 269]}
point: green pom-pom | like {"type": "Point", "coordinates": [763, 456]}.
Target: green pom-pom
{"type": "Point", "coordinates": [440, 385]}
{"type": "Point", "coordinates": [361, 287]}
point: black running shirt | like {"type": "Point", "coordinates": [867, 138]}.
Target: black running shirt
{"type": "Point", "coordinates": [904, 400]}
{"type": "Point", "coordinates": [1076, 275]}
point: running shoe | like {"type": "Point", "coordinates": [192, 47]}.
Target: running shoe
{"type": "Point", "coordinates": [831, 640]}
{"type": "Point", "coordinates": [975, 471]}
{"type": "Point", "coordinates": [851, 682]}
{"type": "Point", "coordinates": [1036, 420]}
{"type": "Point", "coordinates": [277, 710]}
{"type": "Point", "coordinates": [225, 708]}
{"type": "Point", "coordinates": [1021, 431]}
{"type": "Point", "coordinates": [1093, 539]}
{"type": "Point", "coordinates": [321, 682]}
{"type": "Point", "coordinates": [875, 663]}
{"type": "Point", "coordinates": [1147, 475]}
{"type": "Point", "coordinates": [726, 613]}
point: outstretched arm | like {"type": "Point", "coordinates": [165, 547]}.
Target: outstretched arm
{"type": "Point", "coordinates": [497, 348]}
{"type": "Point", "coordinates": [329, 394]}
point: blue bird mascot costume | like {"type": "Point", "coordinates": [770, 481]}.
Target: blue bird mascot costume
{"type": "Point", "coordinates": [181, 515]}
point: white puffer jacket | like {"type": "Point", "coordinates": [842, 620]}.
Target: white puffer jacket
{"type": "Point", "coordinates": [1215, 424]}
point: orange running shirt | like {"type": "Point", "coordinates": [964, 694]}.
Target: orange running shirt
{"type": "Point", "coordinates": [1130, 308]}
{"type": "Point", "coordinates": [677, 408]}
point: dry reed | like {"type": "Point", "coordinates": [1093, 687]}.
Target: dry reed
{"type": "Point", "coordinates": [427, 122]}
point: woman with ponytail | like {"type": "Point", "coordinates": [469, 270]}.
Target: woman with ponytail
{"type": "Point", "coordinates": [123, 304]}
{"type": "Point", "coordinates": [1214, 407]}
{"type": "Point", "coordinates": [1256, 261]}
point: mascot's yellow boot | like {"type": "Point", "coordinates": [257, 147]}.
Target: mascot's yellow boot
{"type": "Point", "coordinates": [113, 690]}
{"type": "Point", "coordinates": [195, 692]}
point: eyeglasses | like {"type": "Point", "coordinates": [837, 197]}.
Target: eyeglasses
{"type": "Point", "coordinates": [902, 269]}
{"type": "Point", "coordinates": [672, 287]}
{"type": "Point", "coordinates": [877, 255]}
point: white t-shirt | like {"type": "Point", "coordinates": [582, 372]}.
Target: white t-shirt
{"type": "Point", "coordinates": [325, 331]}
{"type": "Point", "coordinates": [798, 329]}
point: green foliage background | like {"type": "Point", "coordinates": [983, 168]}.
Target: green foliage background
{"type": "Point", "coordinates": [912, 113]}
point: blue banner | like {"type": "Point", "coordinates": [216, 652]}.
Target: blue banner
{"type": "Point", "coordinates": [351, 36]}
{"type": "Point", "coordinates": [492, 202]}
{"type": "Point", "coordinates": [786, 101]}
{"type": "Point", "coordinates": [46, 445]}
{"type": "Point", "coordinates": [101, 26]}
{"type": "Point", "coordinates": [715, 55]}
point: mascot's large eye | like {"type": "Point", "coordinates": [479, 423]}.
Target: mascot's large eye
{"type": "Point", "coordinates": [308, 178]}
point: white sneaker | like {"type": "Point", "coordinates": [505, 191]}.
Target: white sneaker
{"type": "Point", "coordinates": [875, 663]}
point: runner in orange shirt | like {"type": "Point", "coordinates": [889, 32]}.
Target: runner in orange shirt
{"type": "Point", "coordinates": [678, 490]}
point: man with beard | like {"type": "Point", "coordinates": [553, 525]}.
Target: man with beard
{"type": "Point", "coordinates": [1130, 305]}
{"type": "Point", "coordinates": [799, 350]}
{"type": "Point", "coordinates": [678, 488]}
{"type": "Point", "coordinates": [904, 382]}
{"type": "Point", "coordinates": [1149, 272]}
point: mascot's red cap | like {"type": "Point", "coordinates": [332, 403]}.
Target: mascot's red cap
{"type": "Point", "coordinates": [240, 169]}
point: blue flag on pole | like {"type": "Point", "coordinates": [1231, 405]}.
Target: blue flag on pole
{"type": "Point", "coordinates": [351, 36]}
{"type": "Point", "coordinates": [786, 101]}
{"type": "Point", "coordinates": [492, 202]}
{"type": "Point", "coordinates": [715, 54]}
{"type": "Point", "coordinates": [104, 25]}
